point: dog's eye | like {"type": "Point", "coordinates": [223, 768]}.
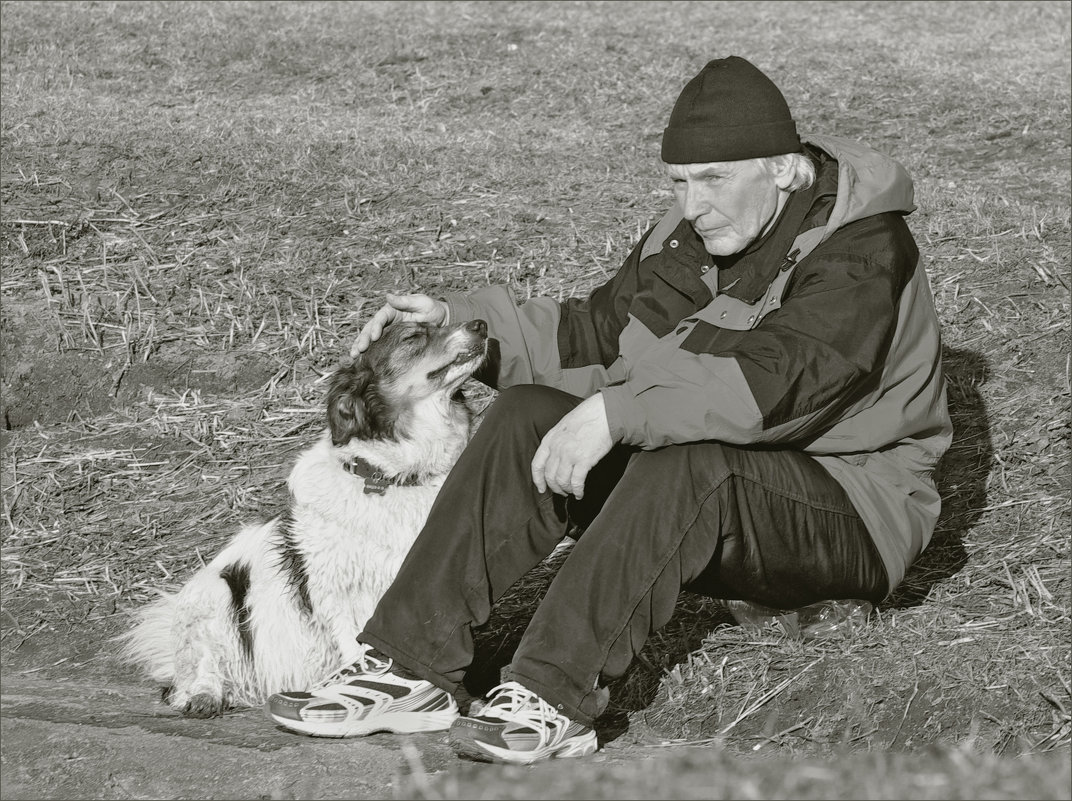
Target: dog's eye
{"type": "Point", "coordinates": [412, 335]}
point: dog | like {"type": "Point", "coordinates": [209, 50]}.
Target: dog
{"type": "Point", "coordinates": [281, 605]}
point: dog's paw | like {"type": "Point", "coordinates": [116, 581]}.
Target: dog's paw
{"type": "Point", "coordinates": [203, 705]}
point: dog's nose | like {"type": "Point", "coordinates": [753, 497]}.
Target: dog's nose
{"type": "Point", "coordinates": [478, 326]}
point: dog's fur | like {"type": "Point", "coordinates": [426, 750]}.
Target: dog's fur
{"type": "Point", "coordinates": [281, 605]}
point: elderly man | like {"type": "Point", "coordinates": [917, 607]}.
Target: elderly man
{"type": "Point", "coordinates": [751, 408]}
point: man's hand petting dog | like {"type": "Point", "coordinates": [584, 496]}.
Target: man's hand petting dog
{"type": "Point", "coordinates": [400, 308]}
{"type": "Point", "coordinates": [572, 448]}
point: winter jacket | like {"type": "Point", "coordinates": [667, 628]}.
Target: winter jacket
{"type": "Point", "coordinates": [820, 337]}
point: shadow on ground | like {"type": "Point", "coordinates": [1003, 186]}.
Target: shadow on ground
{"type": "Point", "coordinates": [962, 478]}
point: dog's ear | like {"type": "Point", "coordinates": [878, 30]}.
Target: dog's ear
{"type": "Point", "coordinates": [355, 406]}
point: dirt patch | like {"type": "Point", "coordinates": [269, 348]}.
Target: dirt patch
{"type": "Point", "coordinates": [41, 381]}
{"type": "Point", "coordinates": [64, 739]}
{"type": "Point", "coordinates": [77, 723]}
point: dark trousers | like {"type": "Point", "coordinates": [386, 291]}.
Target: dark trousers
{"type": "Point", "coordinates": [770, 526]}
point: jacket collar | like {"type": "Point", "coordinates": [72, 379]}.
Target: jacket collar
{"type": "Point", "coordinates": [747, 275]}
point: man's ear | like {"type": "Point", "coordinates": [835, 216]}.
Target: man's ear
{"type": "Point", "coordinates": [355, 407]}
{"type": "Point", "coordinates": [783, 170]}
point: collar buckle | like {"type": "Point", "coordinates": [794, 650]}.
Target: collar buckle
{"type": "Point", "coordinates": [375, 482]}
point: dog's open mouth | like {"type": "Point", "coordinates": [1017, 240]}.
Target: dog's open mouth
{"type": "Point", "coordinates": [476, 351]}
{"type": "Point", "coordinates": [471, 355]}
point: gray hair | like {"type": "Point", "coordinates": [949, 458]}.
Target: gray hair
{"type": "Point", "coordinates": [802, 166]}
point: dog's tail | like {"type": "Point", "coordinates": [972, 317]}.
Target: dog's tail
{"type": "Point", "coordinates": [150, 642]}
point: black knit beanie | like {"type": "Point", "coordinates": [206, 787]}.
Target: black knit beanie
{"type": "Point", "coordinates": [730, 111]}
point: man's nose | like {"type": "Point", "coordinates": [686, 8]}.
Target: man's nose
{"type": "Point", "coordinates": [693, 205]}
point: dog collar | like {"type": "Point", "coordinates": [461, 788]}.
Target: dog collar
{"type": "Point", "coordinates": [376, 483]}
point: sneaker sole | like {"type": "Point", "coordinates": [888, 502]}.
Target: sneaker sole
{"type": "Point", "coordinates": [581, 746]}
{"type": "Point", "coordinates": [397, 723]}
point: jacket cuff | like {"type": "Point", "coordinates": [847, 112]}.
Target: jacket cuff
{"type": "Point", "coordinates": [623, 415]}
{"type": "Point", "coordinates": [459, 308]}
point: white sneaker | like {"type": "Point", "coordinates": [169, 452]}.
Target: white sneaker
{"type": "Point", "coordinates": [364, 698]}
{"type": "Point", "coordinates": [517, 726]}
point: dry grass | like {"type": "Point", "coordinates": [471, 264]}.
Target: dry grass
{"type": "Point", "coordinates": [200, 203]}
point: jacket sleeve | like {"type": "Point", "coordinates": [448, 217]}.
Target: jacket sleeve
{"type": "Point", "coordinates": [791, 377]}
{"type": "Point", "coordinates": [570, 344]}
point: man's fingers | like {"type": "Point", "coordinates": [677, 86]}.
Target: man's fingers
{"type": "Point", "coordinates": [577, 482]}
{"type": "Point", "coordinates": [557, 485]}
{"type": "Point", "coordinates": [372, 330]}
{"type": "Point", "coordinates": [560, 476]}
{"type": "Point", "coordinates": [382, 318]}
{"type": "Point", "coordinates": [548, 470]}
{"type": "Point", "coordinates": [368, 334]}
{"type": "Point", "coordinates": [409, 303]}
{"type": "Point", "coordinates": [539, 463]}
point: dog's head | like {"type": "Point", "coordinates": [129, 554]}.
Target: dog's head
{"type": "Point", "coordinates": [408, 364]}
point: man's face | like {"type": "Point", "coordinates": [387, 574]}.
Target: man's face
{"type": "Point", "coordinates": [729, 203]}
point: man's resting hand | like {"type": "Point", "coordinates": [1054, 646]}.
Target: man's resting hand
{"type": "Point", "coordinates": [572, 448]}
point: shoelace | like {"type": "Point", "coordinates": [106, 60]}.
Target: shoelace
{"type": "Point", "coordinates": [365, 665]}
{"type": "Point", "coordinates": [522, 706]}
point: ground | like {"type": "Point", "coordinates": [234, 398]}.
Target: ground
{"type": "Point", "coordinates": [77, 726]}
{"type": "Point", "coordinates": [200, 203]}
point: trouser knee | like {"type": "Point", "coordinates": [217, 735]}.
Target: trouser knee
{"type": "Point", "coordinates": [528, 406]}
